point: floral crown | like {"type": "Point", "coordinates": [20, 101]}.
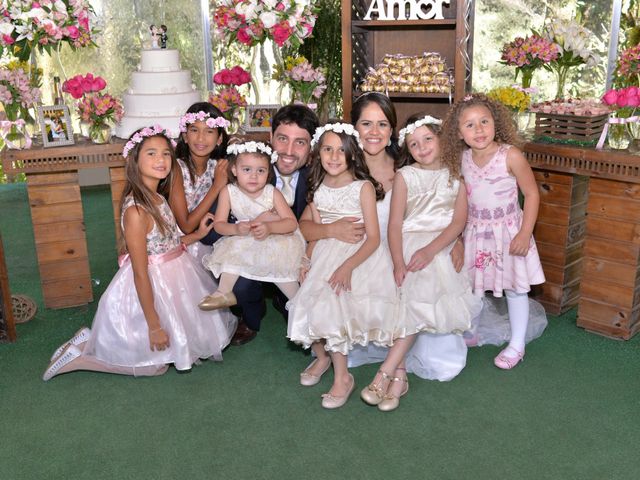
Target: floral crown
{"type": "Point", "coordinates": [138, 137]}
{"type": "Point", "coordinates": [252, 147]}
{"type": "Point", "coordinates": [409, 129]}
{"type": "Point", "coordinates": [337, 128]}
{"type": "Point", "coordinates": [189, 118]}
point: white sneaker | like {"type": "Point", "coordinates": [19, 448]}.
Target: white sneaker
{"type": "Point", "coordinates": [69, 353]}
{"type": "Point", "coordinates": [79, 338]}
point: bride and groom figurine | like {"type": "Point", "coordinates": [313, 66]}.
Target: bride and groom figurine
{"type": "Point", "coordinates": [158, 36]}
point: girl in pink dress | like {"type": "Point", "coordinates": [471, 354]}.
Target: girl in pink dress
{"type": "Point", "coordinates": [500, 252]}
{"type": "Point", "coordinates": [148, 316]}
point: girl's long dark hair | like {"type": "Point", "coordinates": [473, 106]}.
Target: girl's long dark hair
{"type": "Point", "coordinates": [142, 196]}
{"type": "Point", "coordinates": [182, 149]}
{"type": "Point", "coordinates": [355, 163]}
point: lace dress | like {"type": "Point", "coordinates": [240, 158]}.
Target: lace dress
{"type": "Point", "coordinates": [274, 259]}
{"type": "Point", "coordinates": [120, 336]}
{"type": "Point", "coordinates": [365, 314]}
{"type": "Point", "coordinates": [194, 192]}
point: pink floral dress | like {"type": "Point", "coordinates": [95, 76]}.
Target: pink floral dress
{"type": "Point", "coordinates": [494, 219]}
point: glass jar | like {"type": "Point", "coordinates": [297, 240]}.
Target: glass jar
{"type": "Point", "coordinates": [100, 133]}
{"type": "Point", "coordinates": [618, 134]}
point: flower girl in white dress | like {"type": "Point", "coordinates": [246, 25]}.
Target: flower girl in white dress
{"type": "Point", "coordinates": [268, 251]}
{"type": "Point", "coordinates": [147, 317]}
{"type": "Point", "coordinates": [348, 296]}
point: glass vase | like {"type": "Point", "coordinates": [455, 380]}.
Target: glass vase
{"type": "Point", "coordinates": [561, 74]}
{"type": "Point", "coordinates": [618, 134]}
{"type": "Point", "coordinates": [100, 133]}
{"type": "Point", "coordinates": [14, 135]}
{"type": "Point", "coordinates": [265, 61]}
{"type": "Point", "coordinates": [526, 77]}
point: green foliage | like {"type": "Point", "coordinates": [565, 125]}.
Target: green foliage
{"type": "Point", "coordinates": [324, 49]}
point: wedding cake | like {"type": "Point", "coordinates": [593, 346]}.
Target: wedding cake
{"type": "Point", "coordinates": [160, 93]}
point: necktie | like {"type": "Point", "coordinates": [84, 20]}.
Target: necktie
{"type": "Point", "coordinates": [286, 190]}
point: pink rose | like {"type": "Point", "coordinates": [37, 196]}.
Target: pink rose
{"type": "Point", "coordinates": [217, 78]}
{"type": "Point", "coordinates": [280, 7]}
{"type": "Point", "coordinates": [7, 39]}
{"type": "Point", "coordinates": [281, 33]}
{"type": "Point", "coordinates": [72, 32]}
{"type": "Point", "coordinates": [243, 37]}
{"type": "Point", "coordinates": [610, 98]}
{"type": "Point", "coordinates": [633, 101]}
{"type": "Point", "coordinates": [622, 101]}
{"type": "Point", "coordinates": [99, 84]}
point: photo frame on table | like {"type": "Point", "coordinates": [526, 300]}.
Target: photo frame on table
{"type": "Point", "coordinates": [258, 117]}
{"type": "Point", "coordinates": [55, 124]}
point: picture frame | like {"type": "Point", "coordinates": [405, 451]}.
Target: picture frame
{"type": "Point", "coordinates": [55, 125]}
{"type": "Point", "coordinates": [258, 117]}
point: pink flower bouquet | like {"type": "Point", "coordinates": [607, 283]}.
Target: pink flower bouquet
{"type": "Point", "coordinates": [528, 54]}
{"type": "Point", "coordinates": [80, 85]}
{"type": "Point", "coordinates": [229, 101]}
{"type": "Point", "coordinates": [629, 62]}
{"type": "Point", "coordinates": [623, 100]}
{"type": "Point", "coordinates": [250, 22]}
{"type": "Point", "coordinates": [306, 82]}
{"type": "Point", "coordinates": [26, 25]}
{"type": "Point", "coordinates": [234, 76]}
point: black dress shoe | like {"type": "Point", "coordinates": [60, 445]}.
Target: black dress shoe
{"type": "Point", "coordinates": [243, 335]}
{"type": "Point", "coordinates": [280, 304]}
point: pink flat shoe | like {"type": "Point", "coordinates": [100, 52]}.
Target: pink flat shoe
{"type": "Point", "coordinates": [507, 363]}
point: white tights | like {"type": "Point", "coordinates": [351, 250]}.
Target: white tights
{"type": "Point", "coordinates": [518, 305]}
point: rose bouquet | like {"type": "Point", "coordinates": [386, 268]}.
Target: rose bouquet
{"type": "Point", "coordinates": [99, 110]}
{"type": "Point", "coordinates": [232, 76]}
{"type": "Point", "coordinates": [624, 102]}
{"type": "Point", "coordinates": [43, 24]}
{"type": "Point", "coordinates": [528, 54]}
{"type": "Point", "coordinates": [307, 83]}
{"type": "Point", "coordinates": [250, 22]}
{"type": "Point", "coordinates": [573, 41]}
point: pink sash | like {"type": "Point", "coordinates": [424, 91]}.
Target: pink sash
{"type": "Point", "coordinates": [159, 258]}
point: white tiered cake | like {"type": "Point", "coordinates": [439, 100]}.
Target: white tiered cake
{"type": "Point", "coordinates": [160, 93]}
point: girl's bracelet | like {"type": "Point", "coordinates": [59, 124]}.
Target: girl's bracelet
{"type": "Point", "coordinates": [156, 330]}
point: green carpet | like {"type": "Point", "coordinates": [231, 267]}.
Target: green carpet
{"type": "Point", "coordinates": [568, 412]}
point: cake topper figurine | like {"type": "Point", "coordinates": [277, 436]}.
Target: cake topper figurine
{"type": "Point", "coordinates": [153, 30]}
{"type": "Point", "coordinates": [163, 36]}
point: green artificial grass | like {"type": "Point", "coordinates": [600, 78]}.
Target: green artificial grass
{"type": "Point", "coordinates": [569, 411]}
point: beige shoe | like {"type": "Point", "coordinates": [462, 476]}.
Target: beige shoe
{"type": "Point", "coordinates": [70, 353]}
{"type": "Point", "coordinates": [216, 301]}
{"type": "Point", "coordinates": [331, 401]}
{"type": "Point", "coordinates": [390, 401]}
{"type": "Point", "coordinates": [374, 393]}
{"type": "Point", "coordinates": [309, 380]}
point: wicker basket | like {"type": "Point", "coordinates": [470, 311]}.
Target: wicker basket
{"type": "Point", "coordinates": [572, 129]}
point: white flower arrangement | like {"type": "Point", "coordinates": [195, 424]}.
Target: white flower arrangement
{"type": "Point", "coordinates": [574, 42]}
{"type": "Point", "coordinates": [337, 128]}
{"type": "Point", "coordinates": [252, 147]}
{"type": "Point", "coordinates": [409, 129]}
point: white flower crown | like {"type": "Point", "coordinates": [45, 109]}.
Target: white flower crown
{"type": "Point", "coordinates": [252, 147]}
{"type": "Point", "coordinates": [338, 128]}
{"type": "Point", "coordinates": [409, 129]}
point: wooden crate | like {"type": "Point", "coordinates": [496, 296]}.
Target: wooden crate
{"type": "Point", "coordinates": [610, 292]}
{"type": "Point", "coordinates": [559, 235]}
{"type": "Point", "coordinates": [569, 128]}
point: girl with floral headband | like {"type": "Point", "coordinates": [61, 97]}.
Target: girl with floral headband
{"type": "Point", "coordinates": [202, 171]}
{"type": "Point", "coordinates": [428, 212]}
{"type": "Point", "coordinates": [268, 251]}
{"type": "Point", "coordinates": [348, 296]}
{"type": "Point", "coordinates": [147, 317]}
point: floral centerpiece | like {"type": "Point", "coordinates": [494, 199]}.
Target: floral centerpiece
{"type": "Point", "coordinates": [228, 99]}
{"type": "Point", "coordinates": [573, 41]}
{"type": "Point", "coordinates": [98, 110]}
{"type": "Point", "coordinates": [44, 24]}
{"type": "Point", "coordinates": [517, 100]}
{"type": "Point", "coordinates": [306, 82]}
{"type": "Point", "coordinates": [18, 94]}
{"type": "Point", "coordinates": [250, 22]}
{"type": "Point", "coordinates": [528, 54]}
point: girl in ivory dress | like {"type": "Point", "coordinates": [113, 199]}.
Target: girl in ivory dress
{"type": "Point", "coordinates": [348, 296]}
{"type": "Point", "coordinates": [147, 317]}
{"type": "Point", "coordinates": [269, 251]}
{"type": "Point", "coordinates": [500, 252]}
{"type": "Point", "coordinates": [203, 169]}
{"type": "Point", "coordinates": [428, 212]}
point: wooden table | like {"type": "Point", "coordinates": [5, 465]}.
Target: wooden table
{"type": "Point", "coordinates": [588, 235]}
{"type": "Point", "coordinates": [56, 212]}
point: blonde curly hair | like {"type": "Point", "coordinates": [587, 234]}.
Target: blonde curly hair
{"type": "Point", "coordinates": [452, 145]}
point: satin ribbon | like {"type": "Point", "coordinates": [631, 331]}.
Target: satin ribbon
{"type": "Point", "coordinates": [156, 259]}
{"type": "Point", "coordinates": [5, 130]}
{"type": "Point", "coordinates": [614, 121]}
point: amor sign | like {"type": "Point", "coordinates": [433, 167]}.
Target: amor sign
{"type": "Point", "coordinates": [406, 9]}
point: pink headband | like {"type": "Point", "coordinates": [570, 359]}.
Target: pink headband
{"type": "Point", "coordinates": [189, 118]}
{"type": "Point", "coordinates": [144, 133]}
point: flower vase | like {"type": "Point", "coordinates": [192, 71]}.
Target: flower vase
{"type": "Point", "coordinates": [527, 77]}
{"type": "Point", "coordinates": [84, 128]}
{"type": "Point", "coordinates": [264, 61]}
{"type": "Point", "coordinates": [561, 74]}
{"type": "Point", "coordinates": [236, 119]}
{"type": "Point", "coordinates": [522, 120]}
{"type": "Point", "coordinates": [100, 133]}
{"type": "Point", "coordinates": [14, 135]}
{"type": "Point", "coordinates": [618, 134]}
{"type": "Point", "coordinates": [633, 125]}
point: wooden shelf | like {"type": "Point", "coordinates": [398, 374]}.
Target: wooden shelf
{"type": "Point", "coordinates": [446, 23]}
{"type": "Point", "coordinates": [411, 95]}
